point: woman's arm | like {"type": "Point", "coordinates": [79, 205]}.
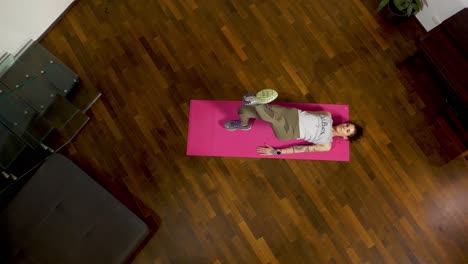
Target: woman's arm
{"type": "Point", "coordinates": [268, 150]}
{"type": "Point", "coordinates": [306, 148]}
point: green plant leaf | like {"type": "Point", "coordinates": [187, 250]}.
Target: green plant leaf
{"type": "Point", "coordinates": [416, 8]}
{"type": "Point", "coordinates": [382, 4]}
{"type": "Point", "coordinates": [399, 5]}
{"type": "Point", "coordinates": [419, 5]}
{"type": "Point", "coordinates": [405, 5]}
{"type": "Point", "coordinates": [409, 11]}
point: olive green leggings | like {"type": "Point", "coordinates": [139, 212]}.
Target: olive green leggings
{"type": "Point", "coordinates": [283, 120]}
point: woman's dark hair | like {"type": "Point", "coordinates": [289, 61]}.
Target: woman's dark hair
{"type": "Point", "coordinates": [358, 132]}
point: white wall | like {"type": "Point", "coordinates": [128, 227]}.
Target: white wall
{"type": "Point", "coordinates": [22, 20]}
{"type": "Point", "coordinates": [439, 10]}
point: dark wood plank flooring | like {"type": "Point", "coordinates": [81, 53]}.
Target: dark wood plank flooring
{"type": "Point", "coordinates": [392, 203]}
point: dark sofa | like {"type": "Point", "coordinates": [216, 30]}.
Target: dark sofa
{"type": "Point", "coordinates": [61, 215]}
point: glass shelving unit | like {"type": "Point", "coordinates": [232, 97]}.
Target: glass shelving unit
{"type": "Point", "coordinates": [34, 110]}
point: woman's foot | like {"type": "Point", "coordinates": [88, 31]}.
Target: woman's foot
{"type": "Point", "coordinates": [264, 96]}
{"type": "Point", "coordinates": [236, 124]}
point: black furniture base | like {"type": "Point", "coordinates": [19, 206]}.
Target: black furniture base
{"type": "Point", "coordinates": [61, 215]}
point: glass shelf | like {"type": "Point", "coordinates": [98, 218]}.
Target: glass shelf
{"type": "Point", "coordinates": [10, 147]}
{"type": "Point", "coordinates": [60, 112]}
{"type": "Point", "coordinates": [54, 76]}
{"type": "Point", "coordinates": [21, 160]}
{"type": "Point", "coordinates": [37, 92]}
{"type": "Point", "coordinates": [60, 77]}
{"type": "Point", "coordinates": [6, 62]}
{"type": "Point", "coordinates": [15, 75]}
{"type": "Point", "coordinates": [44, 99]}
{"type": "Point", "coordinates": [36, 56]}
{"type": "Point", "coordinates": [34, 110]}
{"type": "Point", "coordinates": [27, 160]}
{"type": "Point", "coordinates": [40, 61]}
{"type": "Point", "coordinates": [23, 120]}
{"type": "Point", "coordinates": [37, 65]}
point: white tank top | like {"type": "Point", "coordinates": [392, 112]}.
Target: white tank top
{"type": "Point", "coordinates": [315, 128]}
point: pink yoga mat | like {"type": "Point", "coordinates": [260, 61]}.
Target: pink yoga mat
{"type": "Point", "coordinates": [207, 136]}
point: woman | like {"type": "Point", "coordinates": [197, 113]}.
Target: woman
{"type": "Point", "coordinates": [291, 123]}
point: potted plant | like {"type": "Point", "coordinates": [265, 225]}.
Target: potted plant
{"type": "Point", "coordinates": [399, 10]}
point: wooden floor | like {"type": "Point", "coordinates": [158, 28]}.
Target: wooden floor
{"type": "Point", "coordinates": [399, 199]}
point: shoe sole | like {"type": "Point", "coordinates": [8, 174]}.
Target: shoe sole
{"type": "Point", "coordinates": [264, 96]}
{"type": "Point", "coordinates": [237, 128]}
{"type": "Point", "coordinates": [234, 129]}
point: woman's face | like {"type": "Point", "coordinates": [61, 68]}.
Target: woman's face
{"type": "Point", "coordinates": [345, 130]}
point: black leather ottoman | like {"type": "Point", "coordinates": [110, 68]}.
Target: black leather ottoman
{"type": "Point", "coordinates": [62, 215]}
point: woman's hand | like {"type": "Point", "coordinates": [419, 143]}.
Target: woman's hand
{"type": "Point", "coordinates": [267, 150]}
